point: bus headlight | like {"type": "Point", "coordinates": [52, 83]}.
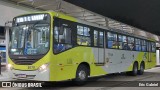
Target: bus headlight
{"type": "Point", "coordinates": [43, 67]}
{"type": "Point", "coordinates": [9, 66]}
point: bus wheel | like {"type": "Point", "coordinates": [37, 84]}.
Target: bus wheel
{"type": "Point", "coordinates": [135, 69]}
{"type": "Point", "coordinates": [81, 75]}
{"type": "Point", "coordinates": [141, 71]}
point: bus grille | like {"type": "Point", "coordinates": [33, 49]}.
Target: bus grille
{"type": "Point", "coordinates": [24, 61]}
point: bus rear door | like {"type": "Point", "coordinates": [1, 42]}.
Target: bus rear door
{"type": "Point", "coordinates": [99, 50]}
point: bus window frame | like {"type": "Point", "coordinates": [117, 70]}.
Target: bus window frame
{"type": "Point", "coordinates": [36, 57]}
{"type": "Point", "coordinates": [111, 40]}
{"type": "Point", "coordinates": [105, 37]}
{"type": "Point", "coordinates": [143, 45]}
{"type": "Point", "coordinates": [140, 45]}
{"type": "Point", "coordinates": [154, 47]}
{"type": "Point", "coordinates": [83, 25]}
{"type": "Point", "coordinates": [70, 23]}
{"type": "Point", "coordinates": [98, 40]}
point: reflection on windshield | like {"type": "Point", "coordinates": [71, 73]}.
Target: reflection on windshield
{"type": "Point", "coordinates": [30, 39]}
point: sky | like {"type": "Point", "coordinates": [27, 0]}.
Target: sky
{"type": "Point", "coordinates": [143, 14]}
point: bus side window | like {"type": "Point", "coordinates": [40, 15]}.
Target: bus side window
{"type": "Point", "coordinates": [98, 38]}
{"type": "Point", "coordinates": [95, 38]}
{"type": "Point", "coordinates": [83, 35]}
{"type": "Point", "coordinates": [144, 45]}
{"type": "Point", "coordinates": [131, 43]}
{"type": "Point", "coordinates": [153, 47]}
{"type": "Point", "coordinates": [138, 44]}
{"type": "Point", "coordinates": [101, 39]}
{"type": "Point", "coordinates": [120, 41]}
{"type": "Point", "coordinates": [125, 43]}
{"type": "Point", "coordinates": [112, 40]}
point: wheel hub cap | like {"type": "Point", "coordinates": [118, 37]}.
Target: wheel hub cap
{"type": "Point", "coordinates": [82, 75]}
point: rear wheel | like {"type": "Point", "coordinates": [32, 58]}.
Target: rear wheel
{"type": "Point", "coordinates": [81, 75]}
{"type": "Point", "coordinates": [141, 71]}
{"type": "Point", "coordinates": [135, 69]}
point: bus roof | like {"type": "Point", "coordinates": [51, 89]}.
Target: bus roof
{"type": "Point", "coordinates": [70, 18]}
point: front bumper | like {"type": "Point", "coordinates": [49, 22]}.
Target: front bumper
{"type": "Point", "coordinates": [30, 75]}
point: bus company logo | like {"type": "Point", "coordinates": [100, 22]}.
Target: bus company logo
{"type": "Point", "coordinates": [123, 57]}
{"type": "Point", "coordinates": [6, 84]}
{"type": "Point", "coordinates": [110, 54]}
{"type": "Point", "coordinates": [133, 56]}
{"type": "Point", "coordinates": [31, 67]}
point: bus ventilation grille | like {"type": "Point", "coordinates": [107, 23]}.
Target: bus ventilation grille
{"type": "Point", "coordinates": [24, 62]}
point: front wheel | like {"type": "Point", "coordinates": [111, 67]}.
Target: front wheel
{"type": "Point", "coordinates": [81, 75]}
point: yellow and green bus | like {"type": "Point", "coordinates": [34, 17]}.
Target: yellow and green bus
{"type": "Point", "coordinates": [51, 46]}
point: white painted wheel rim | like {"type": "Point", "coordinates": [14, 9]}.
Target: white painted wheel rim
{"type": "Point", "coordinates": [82, 75]}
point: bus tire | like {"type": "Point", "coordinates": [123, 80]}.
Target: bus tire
{"type": "Point", "coordinates": [135, 69]}
{"type": "Point", "coordinates": [142, 67]}
{"type": "Point", "coordinates": [81, 75]}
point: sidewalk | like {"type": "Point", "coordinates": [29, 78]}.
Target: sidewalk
{"type": "Point", "coordinates": [4, 76]}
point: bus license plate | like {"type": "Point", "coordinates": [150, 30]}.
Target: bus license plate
{"type": "Point", "coordinates": [21, 76]}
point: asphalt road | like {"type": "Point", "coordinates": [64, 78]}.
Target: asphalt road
{"type": "Point", "coordinates": [109, 82]}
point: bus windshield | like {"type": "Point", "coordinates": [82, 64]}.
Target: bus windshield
{"type": "Point", "coordinates": [29, 39]}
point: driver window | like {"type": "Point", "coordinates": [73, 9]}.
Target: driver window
{"type": "Point", "coordinates": [62, 37]}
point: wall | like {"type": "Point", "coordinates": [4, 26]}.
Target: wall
{"type": "Point", "coordinates": [9, 10]}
